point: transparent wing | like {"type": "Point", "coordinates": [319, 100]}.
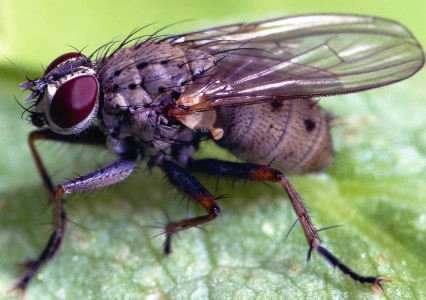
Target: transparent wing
{"type": "Point", "coordinates": [301, 56]}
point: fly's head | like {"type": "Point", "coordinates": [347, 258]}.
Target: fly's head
{"type": "Point", "coordinates": [67, 96]}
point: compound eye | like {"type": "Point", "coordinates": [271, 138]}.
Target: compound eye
{"type": "Point", "coordinates": [61, 59]}
{"type": "Point", "coordinates": [74, 101]}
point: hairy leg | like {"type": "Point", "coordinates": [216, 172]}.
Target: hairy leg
{"type": "Point", "coordinates": [247, 171]}
{"type": "Point", "coordinates": [190, 186]}
{"type": "Point", "coordinates": [107, 175]}
{"type": "Point", "coordinates": [92, 136]}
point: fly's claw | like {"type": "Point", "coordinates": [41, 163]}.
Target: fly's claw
{"type": "Point", "coordinates": [27, 268]}
{"type": "Point", "coordinates": [377, 285]}
{"type": "Point", "coordinates": [19, 288]}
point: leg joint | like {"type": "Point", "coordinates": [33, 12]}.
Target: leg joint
{"type": "Point", "coordinates": [215, 211]}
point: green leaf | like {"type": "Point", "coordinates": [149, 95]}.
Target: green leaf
{"type": "Point", "coordinates": [375, 188]}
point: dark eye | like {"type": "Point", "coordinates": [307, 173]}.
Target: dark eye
{"type": "Point", "coordinates": [61, 59]}
{"type": "Point", "coordinates": [74, 101]}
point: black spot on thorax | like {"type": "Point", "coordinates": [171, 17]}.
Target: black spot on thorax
{"type": "Point", "coordinates": [142, 65]}
{"type": "Point", "coordinates": [175, 94]}
{"type": "Point", "coordinates": [142, 84]}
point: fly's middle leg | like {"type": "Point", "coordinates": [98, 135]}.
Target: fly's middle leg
{"type": "Point", "coordinates": [189, 185]}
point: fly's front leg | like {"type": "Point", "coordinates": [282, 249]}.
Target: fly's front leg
{"type": "Point", "coordinates": [109, 174]}
{"type": "Point", "coordinates": [92, 136]}
{"type": "Point", "coordinates": [190, 186]}
{"type": "Point", "coordinates": [246, 171]}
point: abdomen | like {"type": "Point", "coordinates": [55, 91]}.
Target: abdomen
{"type": "Point", "coordinates": [292, 135]}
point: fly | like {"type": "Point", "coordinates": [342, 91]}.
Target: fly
{"type": "Point", "coordinates": [249, 87]}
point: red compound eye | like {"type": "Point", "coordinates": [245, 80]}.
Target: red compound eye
{"type": "Point", "coordinates": [61, 59]}
{"type": "Point", "coordinates": [74, 101]}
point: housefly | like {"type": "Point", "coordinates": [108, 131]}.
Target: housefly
{"type": "Point", "coordinates": [249, 87]}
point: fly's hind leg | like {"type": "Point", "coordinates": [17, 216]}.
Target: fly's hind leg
{"type": "Point", "coordinates": [107, 175]}
{"type": "Point", "coordinates": [189, 185]}
{"type": "Point", "coordinates": [246, 171]}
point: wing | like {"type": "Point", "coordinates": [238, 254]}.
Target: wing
{"type": "Point", "coordinates": [300, 56]}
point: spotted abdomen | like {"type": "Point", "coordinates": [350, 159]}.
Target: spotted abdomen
{"type": "Point", "coordinates": [291, 136]}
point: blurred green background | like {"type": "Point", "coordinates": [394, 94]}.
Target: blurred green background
{"type": "Point", "coordinates": [375, 188]}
